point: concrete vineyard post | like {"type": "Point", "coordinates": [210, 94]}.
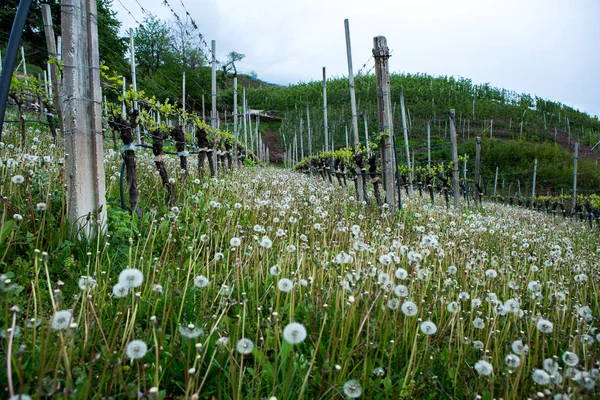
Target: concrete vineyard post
{"type": "Point", "coordinates": [53, 68]}
{"type": "Point", "coordinates": [381, 54]}
{"type": "Point", "coordinates": [83, 114]}
{"type": "Point", "coordinates": [477, 161]}
{"type": "Point", "coordinates": [325, 110]}
{"type": "Point", "coordinates": [496, 182]}
{"type": "Point", "coordinates": [429, 143]}
{"type": "Point", "coordinates": [235, 121]}
{"type": "Point", "coordinates": [213, 114]}
{"type": "Point", "coordinates": [575, 156]}
{"type": "Point", "coordinates": [455, 182]}
{"type": "Point", "coordinates": [134, 79]}
{"type": "Point", "coordinates": [405, 131]}
{"type": "Point", "coordinates": [245, 112]}
{"type": "Point", "coordinates": [356, 144]}
{"type": "Point", "coordinates": [533, 183]}
{"type": "Point", "coordinates": [308, 128]}
{"type": "Point", "coordinates": [366, 132]}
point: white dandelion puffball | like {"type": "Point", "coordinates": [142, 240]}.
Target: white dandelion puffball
{"type": "Point", "coordinates": [570, 358]}
{"type": "Point", "coordinates": [401, 291]}
{"type": "Point", "coordinates": [409, 308]}
{"type": "Point", "coordinates": [285, 285]}
{"type": "Point", "coordinates": [294, 333]}
{"type": "Point", "coordinates": [393, 304]}
{"type": "Point", "coordinates": [20, 397]}
{"type": "Point", "coordinates": [61, 320]}
{"type": "Point", "coordinates": [352, 389]}
{"type": "Point", "coordinates": [190, 331]}
{"type": "Point", "coordinates": [87, 283]}
{"type": "Point", "coordinates": [235, 242]}
{"type": "Point", "coordinates": [512, 360]}
{"type": "Point", "coordinates": [131, 277]}
{"type": "Point", "coordinates": [483, 368]}
{"type": "Point", "coordinates": [519, 348]}
{"type": "Point", "coordinates": [540, 377]}
{"type": "Point", "coordinates": [120, 290]}
{"type": "Point", "coordinates": [401, 274]}
{"type": "Point", "coordinates": [266, 242]}
{"type": "Point", "coordinates": [136, 349]}
{"type": "Point", "coordinates": [245, 346]}
{"type": "Point", "coordinates": [40, 206]}
{"type": "Point", "coordinates": [18, 179]}
{"type": "Point", "coordinates": [201, 281]}
{"type": "Point", "coordinates": [275, 270]}
{"type": "Point", "coordinates": [544, 326]}
{"type": "Point", "coordinates": [428, 327]}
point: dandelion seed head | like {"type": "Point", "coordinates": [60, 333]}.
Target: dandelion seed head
{"type": "Point", "coordinates": [294, 333]}
{"type": "Point", "coordinates": [136, 349]}
{"type": "Point", "coordinates": [352, 389]}
{"type": "Point", "coordinates": [483, 368]}
{"type": "Point", "coordinates": [540, 377]}
{"type": "Point", "coordinates": [201, 281]}
{"type": "Point", "coordinates": [285, 285]}
{"type": "Point", "coordinates": [245, 346]}
{"type": "Point", "coordinates": [131, 277]}
{"type": "Point", "coordinates": [120, 290]}
{"type": "Point", "coordinates": [61, 320]}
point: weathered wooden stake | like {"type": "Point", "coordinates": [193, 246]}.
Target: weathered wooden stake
{"type": "Point", "coordinates": [455, 183]}
{"type": "Point", "coordinates": [83, 115]}
{"type": "Point", "coordinates": [381, 54]}
{"type": "Point", "coordinates": [429, 143]}
{"type": "Point", "coordinates": [308, 128]}
{"type": "Point", "coordinates": [496, 182]}
{"type": "Point", "coordinates": [213, 115]}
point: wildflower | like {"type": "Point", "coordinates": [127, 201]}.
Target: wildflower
{"type": "Point", "coordinates": [222, 341]}
{"type": "Point", "coordinates": [156, 288]}
{"type": "Point", "coordinates": [401, 274]}
{"type": "Point", "coordinates": [409, 309]}
{"type": "Point", "coordinates": [40, 206]}
{"type": "Point", "coordinates": [18, 217]}
{"type": "Point", "coordinates": [512, 360]}
{"type": "Point", "coordinates": [18, 179]}
{"type": "Point", "coordinates": [393, 304]}
{"type": "Point", "coordinates": [478, 323]}
{"type": "Point", "coordinates": [131, 277]}
{"type": "Point", "coordinates": [352, 389]}
{"type": "Point", "coordinates": [87, 283]}
{"type": "Point", "coordinates": [294, 333]}
{"type": "Point", "coordinates": [519, 348]}
{"type": "Point", "coordinates": [378, 371]}
{"type": "Point", "coordinates": [540, 377]}
{"type": "Point", "coordinates": [225, 290]}
{"type": "Point", "coordinates": [343, 258]}
{"type": "Point", "coordinates": [383, 277]}
{"type": "Point", "coordinates": [491, 274]}
{"type": "Point", "coordinates": [285, 285]}
{"type": "Point", "coordinates": [235, 242]}
{"type": "Point", "coordinates": [452, 270]}
{"type": "Point", "coordinates": [570, 358]}
{"type": "Point", "coordinates": [478, 345]}
{"type": "Point", "coordinates": [120, 290]}
{"type": "Point", "coordinates": [245, 346]}
{"type": "Point", "coordinates": [551, 366]}
{"type": "Point", "coordinates": [484, 368]}
{"type": "Point", "coordinates": [266, 242]}
{"type": "Point", "coordinates": [452, 307]}
{"type": "Point", "coordinates": [464, 296]}
{"type": "Point", "coordinates": [428, 327]}
{"type": "Point", "coordinates": [218, 256]}
{"type": "Point", "coordinates": [544, 326]}
{"type": "Point", "coordinates": [136, 349]}
{"type": "Point", "coordinates": [586, 313]}
{"type": "Point", "coordinates": [275, 270]}
{"type": "Point", "coordinates": [385, 259]}
{"type": "Point", "coordinates": [401, 291]}
{"type": "Point", "coordinates": [61, 320]}
{"type": "Point", "coordinates": [201, 281]}
{"type": "Point", "coordinates": [190, 331]}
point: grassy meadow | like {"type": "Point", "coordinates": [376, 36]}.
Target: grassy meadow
{"type": "Point", "coordinates": [270, 284]}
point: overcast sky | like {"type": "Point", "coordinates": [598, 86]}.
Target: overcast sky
{"type": "Point", "coordinates": [548, 48]}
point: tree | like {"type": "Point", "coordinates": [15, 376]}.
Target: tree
{"type": "Point", "coordinates": [153, 45]}
{"type": "Point", "coordinates": [112, 47]}
{"type": "Point", "coordinates": [186, 45]}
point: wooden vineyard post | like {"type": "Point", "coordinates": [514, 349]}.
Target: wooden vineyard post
{"type": "Point", "coordinates": [356, 146]}
{"type": "Point", "coordinates": [533, 183]}
{"type": "Point", "coordinates": [455, 182]}
{"type": "Point", "coordinates": [477, 161]}
{"type": "Point", "coordinates": [83, 115]}
{"type": "Point", "coordinates": [213, 115]}
{"type": "Point", "coordinates": [575, 156]}
{"type": "Point", "coordinates": [53, 70]}
{"type": "Point", "coordinates": [325, 110]}
{"type": "Point", "coordinates": [406, 148]}
{"type": "Point", "coordinates": [381, 54]}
